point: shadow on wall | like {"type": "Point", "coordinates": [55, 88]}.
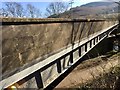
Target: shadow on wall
{"type": "Point", "coordinates": [22, 44]}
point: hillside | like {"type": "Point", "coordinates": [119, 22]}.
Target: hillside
{"type": "Point", "coordinates": [93, 8]}
{"type": "Point", "coordinates": [96, 4]}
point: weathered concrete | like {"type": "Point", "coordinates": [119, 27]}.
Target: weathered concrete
{"type": "Point", "coordinates": [30, 39]}
{"type": "Point", "coordinates": [47, 70]}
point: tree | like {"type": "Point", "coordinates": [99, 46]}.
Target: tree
{"type": "Point", "coordinates": [33, 12]}
{"type": "Point", "coordinates": [10, 7]}
{"type": "Point", "coordinates": [14, 9]}
{"type": "Point", "coordinates": [19, 10]}
{"type": "Point", "coordinates": [3, 12]}
{"type": "Point", "coordinates": [56, 8]}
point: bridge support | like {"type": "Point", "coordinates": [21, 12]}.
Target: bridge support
{"type": "Point", "coordinates": [116, 45]}
{"type": "Point", "coordinates": [114, 35]}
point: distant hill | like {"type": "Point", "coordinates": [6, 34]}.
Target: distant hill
{"type": "Point", "coordinates": [93, 8]}
{"type": "Point", "coordinates": [96, 4]}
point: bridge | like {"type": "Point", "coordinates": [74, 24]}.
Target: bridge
{"type": "Point", "coordinates": [36, 52]}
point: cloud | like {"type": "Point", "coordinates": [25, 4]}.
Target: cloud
{"type": "Point", "coordinates": [111, 0]}
{"type": "Point", "coordinates": [34, 0]}
{"type": "Point", "coordinates": [48, 0]}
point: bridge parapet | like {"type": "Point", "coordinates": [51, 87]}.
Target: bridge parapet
{"type": "Point", "coordinates": [33, 38]}
{"type": "Point", "coordinates": [26, 42]}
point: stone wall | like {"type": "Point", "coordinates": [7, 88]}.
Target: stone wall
{"type": "Point", "coordinates": [25, 40]}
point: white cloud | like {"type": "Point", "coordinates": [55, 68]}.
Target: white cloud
{"type": "Point", "coordinates": [48, 0]}
{"type": "Point", "coordinates": [33, 0]}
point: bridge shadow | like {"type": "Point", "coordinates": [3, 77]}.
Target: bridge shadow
{"type": "Point", "coordinates": [73, 39]}
{"type": "Point", "coordinates": [77, 32]}
{"type": "Point", "coordinates": [81, 30]}
{"type": "Point", "coordinates": [61, 77]}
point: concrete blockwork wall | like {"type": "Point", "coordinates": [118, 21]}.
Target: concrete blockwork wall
{"type": "Point", "coordinates": [23, 43]}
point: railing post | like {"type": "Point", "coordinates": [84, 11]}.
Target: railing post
{"type": "Point", "coordinates": [86, 47]}
{"type": "Point", "coordinates": [71, 57]}
{"type": "Point", "coordinates": [79, 51]}
{"type": "Point", "coordinates": [59, 68]}
{"type": "Point", "coordinates": [38, 79]}
{"type": "Point", "coordinates": [90, 43]}
{"type": "Point", "coordinates": [94, 41]}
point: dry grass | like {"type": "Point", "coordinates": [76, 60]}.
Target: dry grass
{"type": "Point", "coordinates": [96, 61]}
{"type": "Point", "coordinates": [110, 80]}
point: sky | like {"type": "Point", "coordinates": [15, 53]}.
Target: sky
{"type": "Point", "coordinates": [42, 4]}
{"type": "Point", "coordinates": [45, 2]}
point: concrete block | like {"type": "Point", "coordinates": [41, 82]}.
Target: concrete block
{"type": "Point", "coordinates": [31, 83]}
{"type": "Point", "coordinates": [75, 55]}
{"type": "Point", "coordinates": [82, 49]}
{"type": "Point", "coordinates": [49, 74]}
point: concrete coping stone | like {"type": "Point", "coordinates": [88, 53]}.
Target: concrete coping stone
{"type": "Point", "coordinates": [9, 19]}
